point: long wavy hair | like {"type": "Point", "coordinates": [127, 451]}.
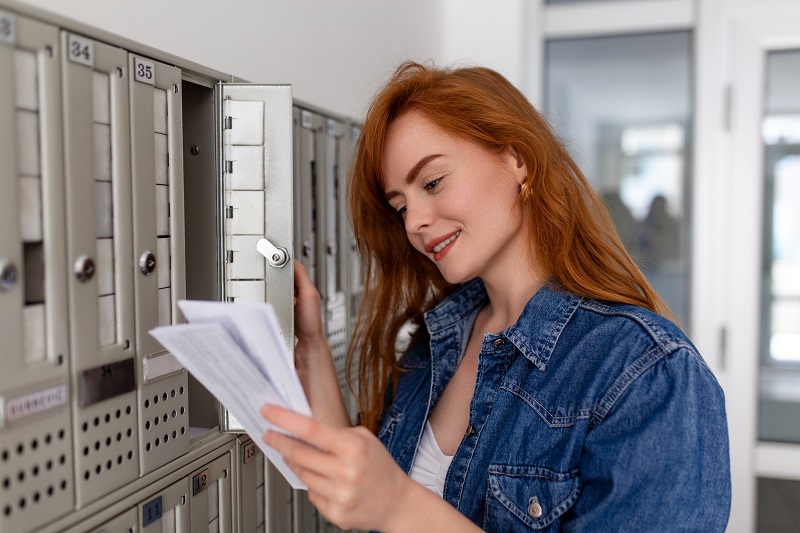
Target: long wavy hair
{"type": "Point", "coordinates": [568, 229]}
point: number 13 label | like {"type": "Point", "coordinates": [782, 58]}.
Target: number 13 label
{"type": "Point", "coordinates": [144, 71]}
{"type": "Point", "coordinates": [80, 50]}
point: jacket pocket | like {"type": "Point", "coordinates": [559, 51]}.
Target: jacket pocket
{"type": "Point", "coordinates": [528, 497]}
{"type": "Point", "coordinates": [387, 428]}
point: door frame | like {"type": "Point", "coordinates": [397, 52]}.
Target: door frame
{"type": "Point", "coordinates": [753, 32]}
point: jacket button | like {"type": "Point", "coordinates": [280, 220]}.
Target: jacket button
{"type": "Point", "coordinates": [470, 431]}
{"type": "Point", "coordinates": [534, 507]}
{"type": "Point", "coordinates": [499, 343]}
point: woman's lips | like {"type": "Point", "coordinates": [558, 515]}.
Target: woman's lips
{"type": "Point", "coordinates": [442, 246]}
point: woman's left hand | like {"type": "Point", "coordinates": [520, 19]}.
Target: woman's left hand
{"type": "Point", "coordinates": [350, 475]}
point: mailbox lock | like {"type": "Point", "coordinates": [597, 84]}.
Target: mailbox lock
{"type": "Point", "coordinates": [147, 263]}
{"type": "Point", "coordinates": [8, 275]}
{"type": "Point", "coordinates": [84, 268]}
{"type": "Point", "coordinates": [277, 257]}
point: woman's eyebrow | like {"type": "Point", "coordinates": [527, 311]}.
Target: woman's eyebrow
{"type": "Point", "coordinates": [412, 174]}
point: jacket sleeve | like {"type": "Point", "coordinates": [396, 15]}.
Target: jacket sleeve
{"type": "Point", "coordinates": [656, 457]}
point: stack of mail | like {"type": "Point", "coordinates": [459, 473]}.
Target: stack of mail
{"type": "Point", "coordinates": [236, 352]}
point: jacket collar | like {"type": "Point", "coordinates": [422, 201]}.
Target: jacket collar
{"type": "Point", "coordinates": [536, 332]}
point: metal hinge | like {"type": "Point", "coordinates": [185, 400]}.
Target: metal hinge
{"type": "Point", "coordinates": [229, 211]}
{"type": "Point", "coordinates": [229, 256]}
{"type": "Point", "coordinates": [228, 167]}
{"type": "Point", "coordinates": [227, 123]}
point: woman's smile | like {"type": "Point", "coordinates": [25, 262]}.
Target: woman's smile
{"type": "Point", "coordinates": [439, 247]}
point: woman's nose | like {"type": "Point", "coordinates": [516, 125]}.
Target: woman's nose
{"type": "Point", "coordinates": [418, 216]}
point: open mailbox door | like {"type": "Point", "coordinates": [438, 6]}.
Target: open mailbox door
{"type": "Point", "coordinates": [257, 202]}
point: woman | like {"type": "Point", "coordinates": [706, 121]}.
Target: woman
{"type": "Point", "coordinates": [542, 387]}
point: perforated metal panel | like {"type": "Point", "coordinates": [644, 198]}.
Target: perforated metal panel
{"type": "Point", "coordinates": [164, 421]}
{"type": "Point", "coordinates": [36, 476]}
{"type": "Point", "coordinates": [106, 445]}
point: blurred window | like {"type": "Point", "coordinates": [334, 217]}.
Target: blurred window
{"type": "Point", "coordinates": [781, 281]}
{"type": "Point", "coordinates": [622, 105]}
{"type": "Point", "coordinates": [779, 380]}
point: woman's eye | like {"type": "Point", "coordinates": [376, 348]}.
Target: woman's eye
{"type": "Point", "coordinates": [402, 211]}
{"type": "Point", "coordinates": [431, 184]}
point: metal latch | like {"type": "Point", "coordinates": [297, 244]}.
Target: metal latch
{"type": "Point", "coordinates": [277, 257]}
{"type": "Point", "coordinates": [147, 263]}
{"type": "Point", "coordinates": [84, 268]}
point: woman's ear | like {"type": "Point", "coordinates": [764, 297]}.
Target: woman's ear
{"type": "Point", "coordinates": [521, 170]}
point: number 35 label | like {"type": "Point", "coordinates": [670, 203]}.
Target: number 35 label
{"type": "Point", "coordinates": [80, 50]}
{"type": "Point", "coordinates": [144, 71]}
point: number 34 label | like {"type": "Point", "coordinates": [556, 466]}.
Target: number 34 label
{"type": "Point", "coordinates": [80, 50]}
{"type": "Point", "coordinates": [144, 71]}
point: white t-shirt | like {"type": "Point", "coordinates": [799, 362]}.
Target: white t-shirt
{"type": "Point", "coordinates": [430, 464]}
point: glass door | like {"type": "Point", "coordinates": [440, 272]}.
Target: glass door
{"type": "Point", "coordinates": [631, 134]}
{"type": "Point", "coordinates": [763, 386]}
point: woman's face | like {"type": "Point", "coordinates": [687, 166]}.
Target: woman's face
{"type": "Point", "coordinates": [459, 202]}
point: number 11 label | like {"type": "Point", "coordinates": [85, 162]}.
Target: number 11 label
{"type": "Point", "coordinates": [144, 71]}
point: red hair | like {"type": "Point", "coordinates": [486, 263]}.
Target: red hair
{"type": "Point", "coordinates": [570, 232]}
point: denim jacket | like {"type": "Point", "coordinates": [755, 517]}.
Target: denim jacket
{"type": "Point", "coordinates": [586, 416]}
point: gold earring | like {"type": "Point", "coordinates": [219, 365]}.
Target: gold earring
{"type": "Point", "coordinates": [525, 189]}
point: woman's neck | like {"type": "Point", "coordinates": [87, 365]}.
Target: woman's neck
{"type": "Point", "coordinates": [509, 292]}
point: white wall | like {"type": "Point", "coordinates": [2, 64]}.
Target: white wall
{"type": "Point", "coordinates": [334, 53]}
{"type": "Point", "coordinates": [489, 34]}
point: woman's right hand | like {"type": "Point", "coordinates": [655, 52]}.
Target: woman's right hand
{"type": "Point", "coordinates": [354, 481]}
{"type": "Point", "coordinates": [313, 358]}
